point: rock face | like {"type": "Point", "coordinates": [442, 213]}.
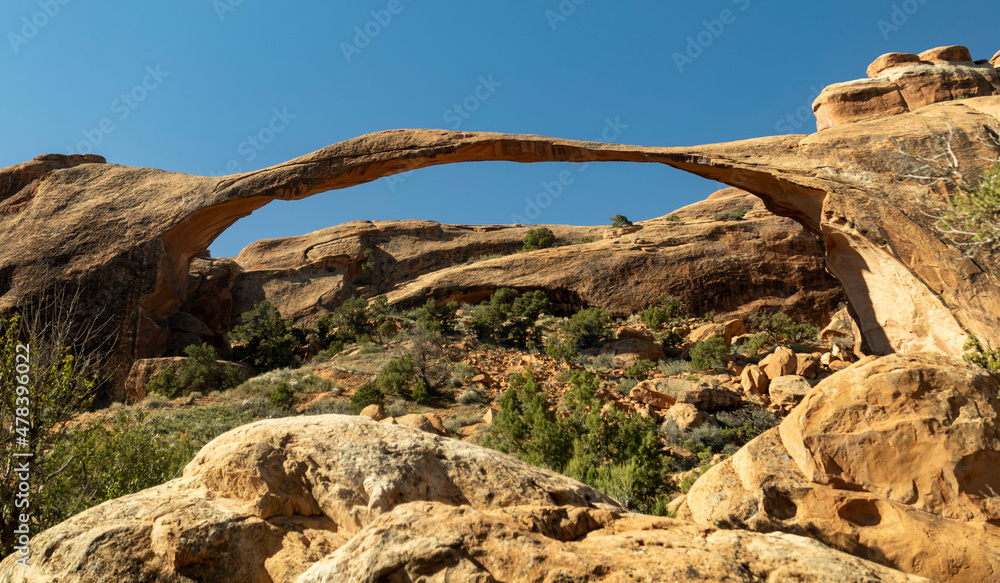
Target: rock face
{"type": "Point", "coordinates": [762, 262]}
{"type": "Point", "coordinates": [334, 498]}
{"type": "Point", "coordinates": [125, 236]}
{"type": "Point", "coordinates": [896, 460]}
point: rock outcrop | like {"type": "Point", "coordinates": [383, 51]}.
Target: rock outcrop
{"type": "Point", "coordinates": [336, 498]}
{"type": "Point", "coordinates": [126, 236]}
{"type": "Point", "coordinates": [896, 460]}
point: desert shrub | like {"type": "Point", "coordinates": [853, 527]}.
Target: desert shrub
{"type": "Point", "coordinates": [587, 445]}
{"type": "Point", "coordinates": [165, 383]}
{"type": "Point", "coordinates": [640, 370]}
{"type": "Point", "coordinates": [779, 326]}
{"type": "Point", "coordinates": [329, 407]}
{"type": "Point", "coordinates": [509, 318]}
{"type": "Point", "coordinates": [602, 361]}
{"type": "Point", "coordinates": [367, 394]}
{"type": "Point", "coordinates": [673, 367]}
{"type": "Point", "coordinates": [396, 376]}
{"type": "Point", "coordinates": [434, 318]}
{"type": "Point", "coordinates": [263, 338]}
{"type": "Point", "coordinates": [668, 310]}
{"type": "Point", "coordinates": [282, 397]}
{"type": "Point", "coordinates": [586, 327]}
{"type": "Point", "coordinates": [429, 365]}
{"type": "Point", "coordinates": [300, 380]}
{"type": "Point", "coordinates": [456, 423]}
{"type": "Point", "coordinates": [421, 394]}
{"type": "Point", "coordinates": [673, 218]}
{"type": "Point", "coordinates": [619, 221]}
{"type": "Point", "coordinates": [201, 372]}
{"type": "Point", "coordinates": [540, 238]}
{"type": "Point", "coordinates": [562, 349]}
{"type": "Point", "coordinates": [974, 217]}
{"type": "Point", "coordinates": [708, 353]}
{"type": "Point", "coordinates": [471, 397]}
{"type": "Point", "coordinates": [626, 386]}
{"type": "Point", "coordinates": [975, 353]}
{"type": "Point", "coordinates": [333, 348]}
{"type": "Point", "coordinates": [586, 239]}
{"type": "Point", "coordinates": [396, 408]}
{"type": "Point", "coordinates": [351, 319]}
{"type": "Point", "coordinates": [736, 215]}
{"type": "Point", "coordinates": [752, 346]}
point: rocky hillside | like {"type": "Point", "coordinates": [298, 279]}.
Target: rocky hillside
{"type": "Point", "coordinates": [726, 255]}
{"type": "Point", "coordinates": [879, 468]}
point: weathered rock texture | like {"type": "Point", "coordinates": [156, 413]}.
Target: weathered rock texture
{"type": "Point", "coordinates": [126, 236]}
{"type": "Point", "coordinates": [762, 262]}
{"type": "Point", "coordinates": [336, 498]}
{"type": "Point", "coordinates": [896, 460]}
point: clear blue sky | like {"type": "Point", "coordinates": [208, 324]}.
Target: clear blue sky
{"type": "Point", "coordinates": [185, 85]}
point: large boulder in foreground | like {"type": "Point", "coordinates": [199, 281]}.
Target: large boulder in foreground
{"type": "Point", "coordinates": [896, 460]}
{"type": "Point", "coordinates": [335, 498]}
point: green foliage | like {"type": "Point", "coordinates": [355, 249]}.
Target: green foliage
{"type": "Point", "coordinates": [668, 310]}
{"type": "Point", "coordinates": [615, 452]}
{"type": "Point", "coordinates": [282, 397]}
{"type": "Point", "coordinates": [564, 349]}
{"type": "Point", "coordinates": [586, 327]}
{"type": "Point", "coordinates": [472, 397]}
{"type": "Point", "coordinates": [626, 385]}
{"type": "Point", "coordinates": [673, 219]}
{"type": "Point", "coordinates": [752, 346]}
{"type": "Point", "coordinates": [351, 319]}
{"type": "Point", "coordinates": [586, 239]}
{"type": "Point", "coordinates": [975, 213]}
{"type": "Point", "coordinates": [397, 375]}
{"type": "Point", "coordinates": [263, 338]}
{"type": "Point", "coordinates": [367, 394]}
{"type": "Point", "coordinates": [619, 221]}
{"type": "Point", "coordinates": [640, 370]}
{"type": "Point", "coordinates": [540, 238]}
{"type": "Point", "coordinates": [421, 395]}
{"type": "Point", "coordinates": [509, 318]}
{"type": "Point", "coordinates": [201, 372]}
{"type": "Point", "coordinates": [779, 326]}
{"type": "Point", "coordinates": [433, 318]}
{"type": "Point", "coordinates": [671, 339]}
{"type": "Point", "coordinates": [975, 353]}
{"type": "Point", "coordinates": [736, 215]}
{"type": "Point", "coordinates": [708, 354]}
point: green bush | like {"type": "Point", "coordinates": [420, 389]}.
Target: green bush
{"type": "Point", "coordinates": [201, 372]}
{"type": "Point", "coordinates": [619, 221]}
{"type": "Point", "coordinates": [283, 397]}
{"type": "Point", "coordinates": [540, 238]}
{"type": "Point", "coordinates": [640, 370]}
{"type": "Point", "coordinates": [615, 451]}
{"type": "Point", "coordinates": [668, 310]}
{"type": "Point", "coordinates": [367, 394]}
{"type": "Point", "coordinates": [779, 326]}
{"type": "Point", "coordinates": [509, 318]}
{"type": "Point", "coordinates": [586, 327]}
{"type": "Point", "coordinates": [985, 357]}
{"type": "Point", "coordinates": [351, 318]}
{"type": "Point", "coordinates": [421, 395]}
{"type": "Point", "coordinates": [263, 338]}
{"type": "Point", "coordinates": [625, 386]}
{"type": "Point", "coordinates": [586, 240]}
{"type": "Point", "coordinates": [975, 214]}
{"type": "Point", "coordinates": [708, 354]}
{"type": "Point", "coordinates": [564, 349]}
{"type": "Point", "coordinates": [673, 218]}
{"type": "Point", "coordinates": [396, 376]}
{"type": "Point", "coordinates": [736, 215]}
{"type": "Point", "coordinates": [472, 397]}
{"type": "Point", "coordinates": [433, 318]}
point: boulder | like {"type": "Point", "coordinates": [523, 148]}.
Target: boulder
{"type": "Point", "coordinates": [428, 422]}
{"type": "Point", "coordinates": [896, 460]}
{"type": "Point", "coordinates": [890, 60]}
{"type": "Point", "coordinates": [787, 391]}
{"type": "Point", "coordinates": [807, 365]}
{"type": "Point", "coordinates": [636, 349]}
{"type": "Point", "coordinates": [627, 332]}
{"type": "Point", "coordinates": [145, 370]}
{"type": "Point", "coordinates": [949, 54]}
{"type": "Point", "coordinates": [645, 392]}
{"type": "Point", "coordinates": [374, 412]}
{"type": "Point", "coordinates": [686, 416]}
{"type": "Point", "coordinates": [753, 380]}
{"type": "Point", "coordinates": [779, 363]}
{"type": "Point", "coordinates": [995, 61]}
{"type": "Point", "coordinates": [705, 396]}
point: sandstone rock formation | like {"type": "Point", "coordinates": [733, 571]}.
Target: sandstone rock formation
{"type": "Point", "coordinates": [335, 498]}
{"type": "Point", "coordinates": [126, 236]}
{"type": "Point", "coordinates": [896, 460]}
{"type": "Point", "coordinates": [763, 262]}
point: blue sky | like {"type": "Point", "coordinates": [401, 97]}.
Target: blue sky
{"type": "Point", "coordinates": [215, 86]}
